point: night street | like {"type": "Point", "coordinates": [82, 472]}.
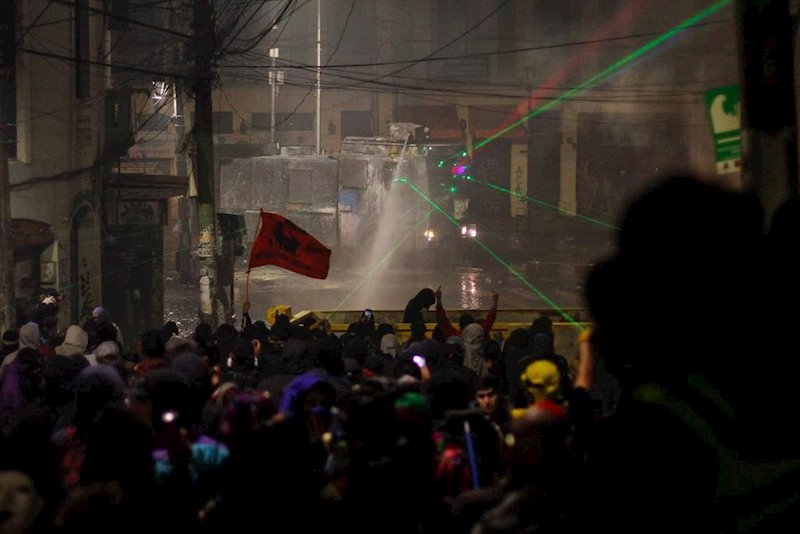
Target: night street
{"type": "Point", "coordinates": [399, 266]}
{"type": "Point", "coordinates": [555, 278]}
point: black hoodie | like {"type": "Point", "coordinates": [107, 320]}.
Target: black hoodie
{"type": "Point", "coordinates": [423, 300]}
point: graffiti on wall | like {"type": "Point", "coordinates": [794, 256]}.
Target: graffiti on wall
{"type": "Point", "coordinates": [85, 296]}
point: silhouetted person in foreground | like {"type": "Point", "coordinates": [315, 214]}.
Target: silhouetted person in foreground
{"type": "Point", "coordinates": [697, 437]}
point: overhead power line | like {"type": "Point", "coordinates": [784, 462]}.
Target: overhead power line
{"type": "Point", "coordinates": [33, 24]}
{"type": "Point", "coordinates": [330, 57]}
{"type": "Point", "coordinates": [427, 59]}
{"type": "Point", "coordinates": [122, 18]}
{"type": "Point", "coordinates": [251, 42]}
{"type": "Point", "coordinates": [441, 85]}
{"type": "Point", "coordinates": [130, 68]}
{"type": "Point", "coordinates": [448, 44]}
{"type": "Point", "coordinates": [520, 86]}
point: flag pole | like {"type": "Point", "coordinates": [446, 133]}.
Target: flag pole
{"type": "Point", "coordinates": [247, 277]}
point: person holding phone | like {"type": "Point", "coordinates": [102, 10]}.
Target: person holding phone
{"type": "Point", "coordinates": [419, 361]}
{"type": "Point", "coordinates": [365, 326]}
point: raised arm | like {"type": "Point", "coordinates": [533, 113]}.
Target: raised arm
{"type": "Point", "coordinates": [488, 322]}
{"type": "Point", "coordinates": [246, 321]}
{"type": "Point", "coordinates": [586, 362]}
{"type": "Point", "coordinates": [441, 316]}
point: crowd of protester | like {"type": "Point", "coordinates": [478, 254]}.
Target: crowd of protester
{"type": "Point", "coordinates": [673, 415]}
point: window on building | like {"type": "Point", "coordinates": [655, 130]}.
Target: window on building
{"type": "Point", "coordinates": [260, 121]}
{"type": "Point", "coordinates": [294, 121]}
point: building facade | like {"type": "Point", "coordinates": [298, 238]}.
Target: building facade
{"type": "Point", "coordinates": [55, 112]}
{"type": "Point", "coordinates": [575, 106]}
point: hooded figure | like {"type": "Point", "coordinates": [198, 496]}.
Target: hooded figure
{"type": "Point", "coordinates": [473, 343]}
{"type": "Point", "coordinates": [422, 301]}
{"type": "Point", "coordinates": [541, 346]}
{"type": "Point", "coordinates": [515, 349]}
{"type": "Point", "coordinates": [75, 342]}
{"type": "Point", "coordinates": [307, 401]}
{"type": "Point", "coordinates": [108, 352]}
{"type": "Point", "coordinates": [28, 338]}
{"type": "Point", "coordinates": [390, 345]}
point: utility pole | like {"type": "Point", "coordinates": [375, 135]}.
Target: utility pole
{"type": "Point", "coordinates": [769, 122]}
{"type": "Point", "coordinates": [7, 64]}
{"type": "Point", "coordinates": [273, 81]}
{"type": "Point", "coordinates": [204, 161]}
{"type": "Point", "coordinates": [319, 74]}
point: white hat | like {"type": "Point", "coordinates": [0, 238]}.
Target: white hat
{"type": "Point", "coordinates": [75, 342]}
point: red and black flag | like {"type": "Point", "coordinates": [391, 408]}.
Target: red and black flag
{"type": "Point", "coordinates": [281, 242]}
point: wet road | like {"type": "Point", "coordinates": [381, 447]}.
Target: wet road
{"type": "Point", "coordinates": [540, 276]}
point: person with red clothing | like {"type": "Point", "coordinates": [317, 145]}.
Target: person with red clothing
{"type": "Point", "coordinates": [542, 380]}
{"type": "Point", "coordinates": [543, 431]}
{"type": "Point", "coordinates": [465, 320]}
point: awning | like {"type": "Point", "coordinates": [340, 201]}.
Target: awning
{"type": "Point", "coordinates": [145, 186]}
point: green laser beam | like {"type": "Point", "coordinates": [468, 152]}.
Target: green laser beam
{"type": "Point", "coordinates": [505, 264]}
{"type": "Point", "coordinates": [381, 262]}
{"type": "Point", "coordinates": [547, 205]}
{"type": "Point", "coordinates": [608, 71]}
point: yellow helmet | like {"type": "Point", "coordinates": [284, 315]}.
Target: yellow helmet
{"type": "Point", "coordinates": [542, 377]}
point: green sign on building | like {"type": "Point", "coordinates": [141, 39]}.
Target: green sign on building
{"type": "Point", "coordinates": [724, 110]}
